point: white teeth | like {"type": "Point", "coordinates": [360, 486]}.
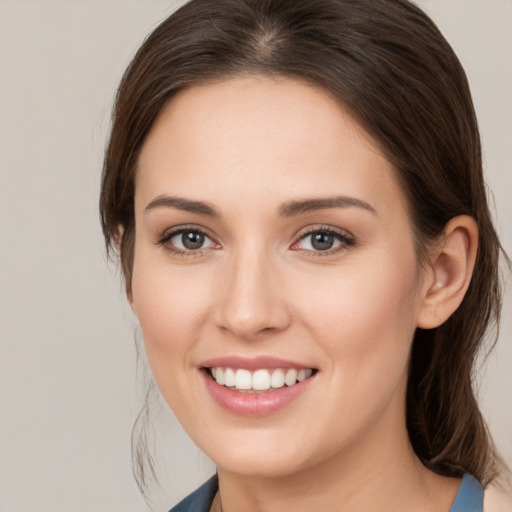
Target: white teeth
{"type": "Point", "coordinates": [304, 374]}
{"type": "Point", "coordinates": [291, 377]}
{"type": "Point", "coordinates": [229, 377]}
{"type": "Point", "coordinates": [277, 380]}
{"type": "Point", "coordinates": [259, 380]}
{"type": "Point", "coordinates": [219, 376]}
{"type": "Point", "coordinates": [243, 379]}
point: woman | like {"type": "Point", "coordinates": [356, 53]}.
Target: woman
{"type": "Point", "coordinates": [295, 190]}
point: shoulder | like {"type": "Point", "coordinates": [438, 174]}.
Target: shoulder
{"type": "Point", "coordinates": [498, 498]}
{"type": "Point", "coordinates": [201, 499]}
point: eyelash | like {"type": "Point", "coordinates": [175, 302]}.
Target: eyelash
{"type": "Point", "coordinates": [346, 241]}
{"type": "Point", "coordinates": [166, 237]}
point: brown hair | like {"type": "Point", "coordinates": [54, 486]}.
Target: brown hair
{"type": "Point", "coordinates": [387, 63]}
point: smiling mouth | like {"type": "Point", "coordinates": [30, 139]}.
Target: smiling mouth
{"type": "Point", "coordinates": [258, 381]}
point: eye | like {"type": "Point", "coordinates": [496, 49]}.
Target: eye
{"type": "Point", "coordinates": [323, 240]}
{"type": "Point", "coordinates": [186, 240]}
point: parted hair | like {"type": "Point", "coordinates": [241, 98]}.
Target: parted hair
{"type": "Point", "coordinates": [391, 68]}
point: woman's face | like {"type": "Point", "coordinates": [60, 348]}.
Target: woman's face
{"type": "Point", "coordinates": [272, 237]}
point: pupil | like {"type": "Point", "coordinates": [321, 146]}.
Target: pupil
{"type": "Point", "coordinates": [192, 239]}
{"type": "Point", "coordinates": [322, 241]}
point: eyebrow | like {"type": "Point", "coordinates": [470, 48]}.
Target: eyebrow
{"type": "Point", "coordinates": [291, 208]}
{"type": "Point", "coordinates": [288, 209]}
{"type": "Point", "coordinates": [186, 205]}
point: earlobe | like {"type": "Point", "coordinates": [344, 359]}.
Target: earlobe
{"type": "Point", "coordinates": [451, 268]}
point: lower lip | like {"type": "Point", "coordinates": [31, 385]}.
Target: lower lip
{"type": "Point", "coordinates": [254, 404]}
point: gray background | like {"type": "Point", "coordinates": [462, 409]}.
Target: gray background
{"type": "Point", "coordinates": [69, 390]}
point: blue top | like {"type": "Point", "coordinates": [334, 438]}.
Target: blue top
{"type": "Point", "coordinates": [469, 498]}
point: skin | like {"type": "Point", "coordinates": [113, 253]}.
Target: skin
{"type": "Point", "coordinates": [247, 147]}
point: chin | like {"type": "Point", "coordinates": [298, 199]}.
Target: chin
{"type": "Point", "coordinates": [274, 455]}
{"type": "Point", "coordinates": [258, 466]}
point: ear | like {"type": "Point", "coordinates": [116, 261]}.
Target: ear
{"type": "Point", "coordinates": [449, 272]}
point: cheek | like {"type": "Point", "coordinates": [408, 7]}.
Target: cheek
{"type": "Point", "coordinates": [364, 316]}
{"type": "Point", "coordinates": [364, 322]}
{"type": "Point", "coordinates": [170, 306]}
{"type": "Point", "coordinates": [170, 309]}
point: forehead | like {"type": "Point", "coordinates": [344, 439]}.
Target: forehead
{"type": "Point", "coordinates": [261, 136]}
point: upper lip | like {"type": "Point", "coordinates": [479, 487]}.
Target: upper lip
{"type": "Point", "coordinates": [252, 363]}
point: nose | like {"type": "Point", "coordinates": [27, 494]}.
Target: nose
{"type": "Point", "coordinates": [252, 298]}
